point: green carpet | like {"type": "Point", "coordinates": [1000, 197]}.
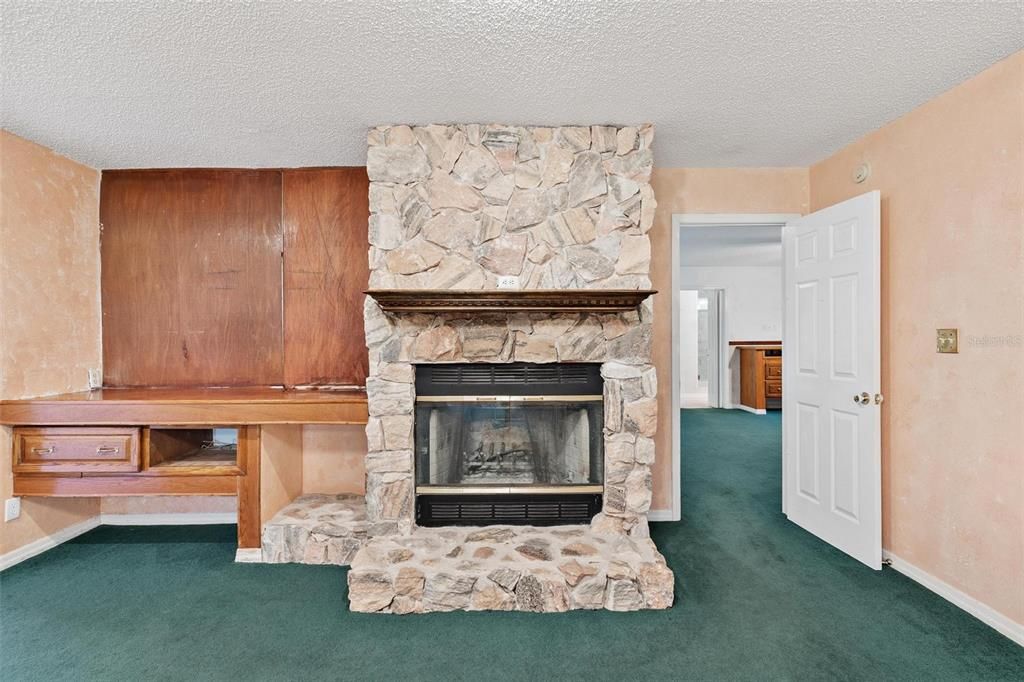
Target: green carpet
{"type": "Point", "coordinates": [757, 598]}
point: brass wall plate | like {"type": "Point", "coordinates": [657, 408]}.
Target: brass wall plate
{"type": "Point", "coordinates": [946, 341]}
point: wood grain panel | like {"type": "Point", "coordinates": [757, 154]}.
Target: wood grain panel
{"type": "Point", "coordinates": [191, 277]}
{"type": "Point", "coordinates": [325, 272]}
{"type": "Point", "coordinates": [75, 449]}
{"type": "Point", "coordinates": [56, 485]}
{"type": "Point", "coordinates": [184, 406]}
{"type": "Point", "coordinates": [249, 521]}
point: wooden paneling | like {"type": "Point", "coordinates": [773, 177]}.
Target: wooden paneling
{"type": "Point", "coordinates": [325, 272]}
{"type": "Point", "coordinates": [186, 406]}
{"type": "Point", "coordinates": [191, 277]}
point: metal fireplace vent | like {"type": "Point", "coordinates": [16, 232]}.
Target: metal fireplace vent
{"type": "Point", "coordinates": [517, 378]}
{"type": "Point", "coordinates": [480, 510]}
{"type": "Point", "coordinates": [513, 443]}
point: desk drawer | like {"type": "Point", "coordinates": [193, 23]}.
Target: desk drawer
{"type": "Point", "coordinates": [772, 388]}
{"type": "Point", "coordinates": [772, 368]}
{"type": "Point", "coordinates": [75, 449]}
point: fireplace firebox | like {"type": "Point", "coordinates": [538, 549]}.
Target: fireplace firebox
{"type": "Point", "coordinates": [514, 443]}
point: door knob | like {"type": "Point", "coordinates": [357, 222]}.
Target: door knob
{"type": "Point", "coordinates": [862, 399]}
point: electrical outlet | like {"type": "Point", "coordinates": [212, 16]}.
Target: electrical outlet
{"type": "Point", "coordinates": [12, 509]}
{"type": "Point", "coordinates": [95, 378]}
{"type": "Point", "coordinates": [508, 282]}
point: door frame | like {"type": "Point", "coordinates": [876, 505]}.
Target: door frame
{"type": "Point", "coordinates": [681, 221]}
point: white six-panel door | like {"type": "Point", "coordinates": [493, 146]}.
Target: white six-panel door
{"type": "Point", "coordinates": [832, 376]}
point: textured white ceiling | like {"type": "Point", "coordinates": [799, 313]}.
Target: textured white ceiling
{"type": "Point", "coordinates": [160, 84]}
{"type": "Point", "coordinates": [725, 245]}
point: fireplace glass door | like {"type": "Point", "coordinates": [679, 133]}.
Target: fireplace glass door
{"type": "Point", "coordinates": [518, 443]}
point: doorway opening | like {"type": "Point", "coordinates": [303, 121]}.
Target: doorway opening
{"type": "Point", "coordinates": [727, 288]}
{"type": "Point", "coordinates": [700, 347]}
{"type": "Point", "coordinates": [820, 346]}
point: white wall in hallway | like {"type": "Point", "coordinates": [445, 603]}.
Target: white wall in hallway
{"type": "Point", "coordinates": [688, 382]}
{"type": "Point", "coordinates": [753, 311]}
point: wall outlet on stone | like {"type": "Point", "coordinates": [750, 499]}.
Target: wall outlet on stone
{"type": "Point", "coordinates": [12, 509]}
{"type": "Point", "coordinates": [508, 281]}
{"type": "Point", "coordinates": [95, 378]}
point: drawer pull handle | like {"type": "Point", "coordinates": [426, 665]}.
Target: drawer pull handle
{"type": "Point", "coordinates": [107, 450]}
{"type": "Point", "coordinates": [42, 451]}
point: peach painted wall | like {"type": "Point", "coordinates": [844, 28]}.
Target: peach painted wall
{"type": "Point", "coordinates": [701, 190]}
{"type": "Point", "coordinates": [333, 459]}
{"type": "Point", "coordinates": [951, 174]}
{"type": "Point", "coordinates": [49, 303]}
{"type": "Point", "coordinates": [169, 504]}
{"type": "Point", "coordinates": [281, 465]}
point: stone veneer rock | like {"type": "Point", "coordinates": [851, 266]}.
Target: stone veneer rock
{"type": "Point", "coordinates": [316, 529]}
{"type": "Point", "coordinates": [457, 206]}
{"type": "Point", "coordinates": [454, 207]}
{"type": "Point", "coordinates": [509, 568]}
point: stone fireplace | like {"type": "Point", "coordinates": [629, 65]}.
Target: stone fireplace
{"type": "Point", "coordinates": [456, 207]}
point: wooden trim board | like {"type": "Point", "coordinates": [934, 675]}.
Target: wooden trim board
{"type": "Point", "coordinates": [183, 407]}
{"type": "Point", "coordinates": [509, 300]}
{"type": "Point", "coordinates": [250, 524]}
{"type": "Point", "coordinates": [115, 485]}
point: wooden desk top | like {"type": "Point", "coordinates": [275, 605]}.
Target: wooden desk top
{"type": "Point", "coordinates": [757, 345]}
{"type": "Point", "coordinates": [188, 406]}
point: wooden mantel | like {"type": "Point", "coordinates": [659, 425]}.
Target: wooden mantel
{"type": "Point", "coordinates": [509, 300]}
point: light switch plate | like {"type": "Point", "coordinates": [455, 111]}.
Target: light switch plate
{"type": "Point", "coordinates": [946, 341]}
{"type": "Point", "coordinates": [508, 282]}
{"type": "Point", "coordinates": [12, 508]}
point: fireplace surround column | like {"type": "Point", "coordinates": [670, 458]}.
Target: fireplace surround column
{"type": "Point", "coordinates": [456, 207]}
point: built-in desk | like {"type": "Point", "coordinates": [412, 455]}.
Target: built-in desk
{"type": "Point", "coordinates": [760, 374]}
{"type": "Point", "coordinates": [121, 441]}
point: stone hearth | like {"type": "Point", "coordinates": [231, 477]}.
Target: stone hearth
{"type": "Point", "coordinates": [457, 207]}
{"type": "Point", "coordinates": [316, 529]}
{"type": "Point", "coordinates": [508, 568]}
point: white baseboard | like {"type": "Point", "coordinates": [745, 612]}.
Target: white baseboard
{"type": "Point", "coordinates": [752, 410]}
{"type": "Point", "coordinates": [170, 519]}
{"type": "Point", "coordinates": [16, 556]}
{"type": "Point", "coordinates": [986, 614]}
{"type": "Point", "coordinates": [661, 515]}
{"type": "Point", "coordinates": [249, 556]}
